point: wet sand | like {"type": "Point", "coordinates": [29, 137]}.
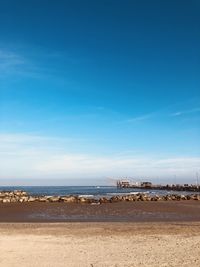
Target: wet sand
{"type": "Point", "coordinates": [100, 244]}
{"type": "Point", "coordinates": [163, 211]}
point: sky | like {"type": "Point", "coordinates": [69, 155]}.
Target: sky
{"type": "Point", "coordinates": [96, 89]}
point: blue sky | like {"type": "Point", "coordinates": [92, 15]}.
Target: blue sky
{"type": "Point", "coordinates": [92, 89]}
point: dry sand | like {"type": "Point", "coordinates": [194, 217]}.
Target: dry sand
{"type": "Point", "coordinates": [100, 244]}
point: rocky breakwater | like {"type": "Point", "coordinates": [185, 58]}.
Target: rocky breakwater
{"type": "Point", "coordinates": [22, 196]}
{"type": "Point", "coordinates": [148, 197]}
{"type": "Point", "coordinates": [13, 196]}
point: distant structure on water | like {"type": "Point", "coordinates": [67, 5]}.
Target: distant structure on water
{"type": "Point", "coordinates": [128, 184]}
{"type": "Point", "coordinates": [148, 185]}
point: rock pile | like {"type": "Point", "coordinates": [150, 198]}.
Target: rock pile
{"type": "Point", "coordinates": [13, 196]}
{"type": "Point", "coordinates": [147, 197]}
{"type": "Point", "coordinates": [22, 196]}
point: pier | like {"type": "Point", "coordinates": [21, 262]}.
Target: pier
{"type": "Point", "coordinates": [149, 185]}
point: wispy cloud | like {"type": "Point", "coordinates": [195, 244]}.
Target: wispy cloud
{"type": "Point", "coordinates": [10, 61]}
{"type": "Point", "coordinates": [15, 63]}
{"type": "Point", "coordinates": [140, 118]}
{"type": "Point", "coordinates": [185, 112]}
{"type": "Point", "coordinates": [162, 113]}
{"type": "Point", "coordinates": [144, 117]}
{"type": "Point", "coordinates": [35, 63]}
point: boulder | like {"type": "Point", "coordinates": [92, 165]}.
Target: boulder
{"type": "Point", "coordinates": [173, 197]}
{"type": "Point", "coordinates": [188, 197]}
{"type": "Point", "coordinates": [20, 193]}
{"type": "Point", "coordinates": [114, 199]}
{"type": "Point", "coordinates": [104, 200]}
{"type": "Point", "coordinates": [69, 199]}
{"type": "Point", "coordinates": [142, 197]}
{"type": "Point", "coordinates": [43, 199]}
{"type": "Point", "coordinates": [54, 199]}
{"type": "Point", "coordinates": [6, 200]}
{"type": "Point", "coordinates": [25, 198]}
{"type": "Point", "coordinates": [85, 200]}
{"type": "Point", "coordinates": [183, 197]}
{"type": "Point", "coordinates": [124, 198]}
{"type": "Point", "coordinates": [13, 200]}
{"type": "Point", "coordinates": [31, 199]}
{"type": "Point", "coordinates": [196, 197]}
{"type": "Point", "coordinates": [154, 198]}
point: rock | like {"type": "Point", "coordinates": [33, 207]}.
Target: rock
{"type": "Point", "coordinates": [188, 197]}
{"type": "Point", "coordinates": [13, 200]}
{"type": "Point", "coordinates": [69, 199]}
{"type": "Point", "coordinates": [44, 199]}
{"type": "Point", "coordinates": [54, 199]}
{"type": "Point", "coordinates": [104, 200]}
{"type": "Point", "coordinates": [154, 198]}
{"type": "Point", "coordinates": [166, 198]}
{"type": "Point", "coordinates": [3, 194]}
{"type": "Point", "coordinates": [183, 197]}
{"type": "Point", "coordinates": [114, 199]}
{"type": "Point", "coordinates": [31, 199]}
{"type": "Point", "coordinates": [25, 198]}
{"type": "Point", "coordinates": [196, 197]}
{"type": "Point", "coordinates": [6, 200]}
{"type": "Point", "coordinates": [19, 193]}
{"type": "Point", "coordinates": [124, 198]}
{"type": "Point", "coordinates": [142, 198]}
{"type": "Point", "coordinates": [173, 197]}
{"type": "Point", "coordinates": [85, 200]}
{"type": "Point", "coordinates": [22, 196]}
{"type": "Point", "coordinates": [132, 197]}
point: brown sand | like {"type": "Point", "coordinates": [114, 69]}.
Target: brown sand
{"type": "Point", "coordinates": [163, 211]}
{"type": "Point", "coordinates": [100, 244]}
{"type": "Point", "coordinates": [109, 235]}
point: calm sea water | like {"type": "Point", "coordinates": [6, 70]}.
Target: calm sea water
{"type": "Point", "coordinates": [89, 191]}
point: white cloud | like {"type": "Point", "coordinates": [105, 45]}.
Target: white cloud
{"type": "Point", "coordinates": [29, 156]}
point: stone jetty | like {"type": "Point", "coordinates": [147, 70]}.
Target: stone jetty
{"type": "Point", "coordinates": [22, 196]}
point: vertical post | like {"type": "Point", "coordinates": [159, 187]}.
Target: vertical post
{"type": "Point", "coordinates": [197, 176]}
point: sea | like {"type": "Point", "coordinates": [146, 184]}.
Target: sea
{"type": "Point", "coordinates": [86, 191]}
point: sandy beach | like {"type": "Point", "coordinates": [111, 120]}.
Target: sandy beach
{"type": "Point", "coordinates": [100, 244]}
{"type": "Point", "coordinates": [117, 234]}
